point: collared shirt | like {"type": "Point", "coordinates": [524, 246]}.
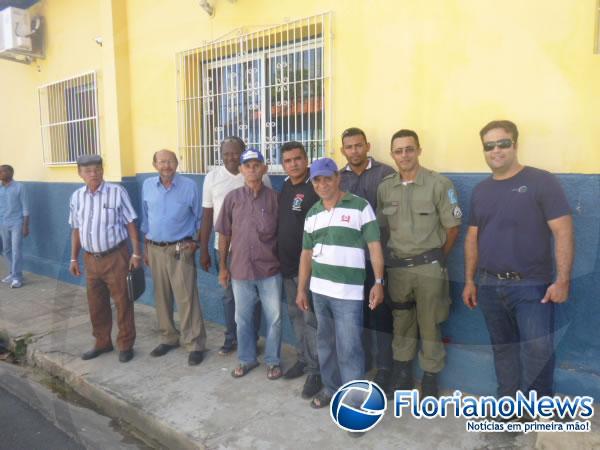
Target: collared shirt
{"type": "Point", "coordinates": [337, 238]}
{"type": "Point", "coordinates": [365, 185]}
{"type": "Point", "coordinates": [417, 214]}
{"type": "Point", "coordinates": [251, 222]}
{"type": "Point", "coordinates": [294, 202]}
{"type": "Point", "coordinates": [13, 203]}
{"type": "Point", "coordinates": [171, 214]}
{"type": "Point", "coordinates": [101, 217]}
{"type": "Point", "coordinates": [217, 184]}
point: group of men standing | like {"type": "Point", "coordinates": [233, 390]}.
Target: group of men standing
{"type": "Point", "coordinates": [359, 252]}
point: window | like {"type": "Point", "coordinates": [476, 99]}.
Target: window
{"type": "Point", "coordinates": [267, 87]}
{"type": "Point", "coordinates": [69, 119]}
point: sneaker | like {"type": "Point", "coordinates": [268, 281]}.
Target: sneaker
{"type": "Point", "coordinates": [7, 279]}
{"type": "Point", "coordinates": [16, 284]}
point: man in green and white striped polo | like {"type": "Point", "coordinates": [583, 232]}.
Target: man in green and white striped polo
{"type": "Point", "coordinates": [335, 233]}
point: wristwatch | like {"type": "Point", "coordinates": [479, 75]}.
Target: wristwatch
{"type": "Point", "coordinates": [380, 281]}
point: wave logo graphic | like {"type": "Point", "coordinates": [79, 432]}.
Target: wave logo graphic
{"type": "Point", "coordinates": [358, 406]}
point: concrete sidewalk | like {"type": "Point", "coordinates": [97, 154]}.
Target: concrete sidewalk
{"type": "Point", "coordinates": [204, 407]}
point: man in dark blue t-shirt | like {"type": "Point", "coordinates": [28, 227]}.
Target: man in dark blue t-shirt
{"type": "Point", "coordinates": [514, 215]}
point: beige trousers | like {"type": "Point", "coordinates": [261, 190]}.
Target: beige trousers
{"type": "Point", "coordinates": [175, 279]}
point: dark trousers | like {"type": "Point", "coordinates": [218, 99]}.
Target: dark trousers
{"type": "Point", "coordinates": [522, 334]}
{"type": "Point", "coordinates": [378, 328]}
{"type": "Point", "coordinates": [107, 277]}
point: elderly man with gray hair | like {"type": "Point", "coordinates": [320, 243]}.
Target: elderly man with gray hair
{"type": "Point", "coordinates": [101, 218]}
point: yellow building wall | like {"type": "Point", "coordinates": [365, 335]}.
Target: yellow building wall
{"type": "Point", "coordinates": [443, 68]}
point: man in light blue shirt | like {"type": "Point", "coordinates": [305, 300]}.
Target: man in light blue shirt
{"type": "Point", "coordinates": [170, 221]}
{"type": "Point", "coordinates": [14, 224]}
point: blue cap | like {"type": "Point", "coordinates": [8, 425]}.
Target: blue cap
{"type": "Point", "coordinates": [251, 154]}
{"type": "Point", "coordinates": [323, 167]}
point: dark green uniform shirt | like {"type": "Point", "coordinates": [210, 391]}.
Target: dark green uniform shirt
{"type": "Point", "coordinates": [417, 214]}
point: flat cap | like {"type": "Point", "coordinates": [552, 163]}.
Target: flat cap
{"type": "Point", "coordinates": [89, 160]}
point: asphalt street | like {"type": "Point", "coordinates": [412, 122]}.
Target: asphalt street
{"type": "Point", "coordinates": [24, 428]}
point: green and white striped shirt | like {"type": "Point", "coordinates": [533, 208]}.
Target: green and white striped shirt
{"type": "Point", "coordinates": [337, 238]}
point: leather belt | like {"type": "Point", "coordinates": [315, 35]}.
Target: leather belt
{"type": "Point", "coordinates": [428, 257]}
{"type": "Point", "coordinates": [165, 243]}
{"type": "Point", "coordinates": [107, 252]}
{"type": "Point", "coordinates": [503, 275]}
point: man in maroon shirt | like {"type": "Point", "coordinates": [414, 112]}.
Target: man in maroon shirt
{"type": "Point", "coordinates": [247, 227]}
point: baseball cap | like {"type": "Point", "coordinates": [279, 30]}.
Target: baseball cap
{"type": "Point", "coordinates": [251, 154]}
{"type": "Point", "coordinates": [323, 167]}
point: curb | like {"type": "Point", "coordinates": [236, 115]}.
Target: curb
{"type": "Point", "coordinates": [113, 406]}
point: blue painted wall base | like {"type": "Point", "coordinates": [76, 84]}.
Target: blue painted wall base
{"type": "Point", "coordinates": [469, 362]}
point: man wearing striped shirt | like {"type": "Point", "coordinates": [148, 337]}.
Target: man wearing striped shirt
{"type": "Point", "coordinates": [101, 217]}
{"type": "Point", "coordinates": [335, 233]}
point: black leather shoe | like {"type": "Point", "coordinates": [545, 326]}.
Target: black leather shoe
{"type": "Point", "coordinates": [195, 358]}
{"type": "Point", "coordinates": [126, 355]}
{"type": "Point", "coordinates": [95, 352]}
{"type": "Point", "coordinates": [312, 386]}
{"type": "Point", "coordinates": [296, 371]}
{"type": "Point", "coordinates": [162, 349]}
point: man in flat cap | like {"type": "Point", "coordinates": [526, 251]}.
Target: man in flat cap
{"type": "Point", "coordinates": [101, 218]}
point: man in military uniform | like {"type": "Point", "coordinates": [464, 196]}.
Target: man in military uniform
{"type": "Point", "coordinates": [419, 215]}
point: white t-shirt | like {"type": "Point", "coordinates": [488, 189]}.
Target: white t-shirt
{"type": "Point", "coordinates": [217, 184]}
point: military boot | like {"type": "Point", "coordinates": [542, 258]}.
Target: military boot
{"type": "Point", "coordinates": [429, 385]}
{"type": "Point", "coordinates": [401, 378]}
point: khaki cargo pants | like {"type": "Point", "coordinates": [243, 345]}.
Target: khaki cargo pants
{"type": "Point", "coordinates": [422, 293]}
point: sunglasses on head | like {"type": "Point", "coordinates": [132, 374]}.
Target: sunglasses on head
{"type": "Point", "coordinates": [501, 143]}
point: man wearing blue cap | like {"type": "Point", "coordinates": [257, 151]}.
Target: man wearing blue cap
{"type": "Point", "coordinates": [247, 227]}
{"type": "Point", "coordinates": [335, 233]}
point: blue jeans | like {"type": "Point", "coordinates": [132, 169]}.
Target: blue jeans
{"type": "Point", "coordinates": [12, 247]}
{"type": "Point", "coordinates": [245, 292]}
{"type": "Point", "coordinates": [522, 334]}
{"type": "Point", "coordinates": [339, 340]}
{"type": "Point", "coordinates": [229, 310]}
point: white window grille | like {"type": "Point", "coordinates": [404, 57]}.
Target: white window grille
{"type": "Point", "coordinates": [267, 87]}
{"type": "Point", "coordinates": [69, 119]}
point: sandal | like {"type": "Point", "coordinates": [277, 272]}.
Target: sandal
{"type": "Point", "coordinates": [242, 369]}
{"type": "Point", "coordinates": [321, 400]}
{"type": "Point", "coordinates": [274, 371]}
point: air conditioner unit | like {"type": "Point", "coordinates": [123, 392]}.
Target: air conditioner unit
{"type": "Point", "coordinates": [15, 31]}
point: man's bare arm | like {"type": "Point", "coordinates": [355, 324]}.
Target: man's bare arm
{"type": "Point", "coordinates": [562, 230]}
{"type": "Point", "coordinates": [75, 249]}
{"type": "Point", "coordinates": [304, 272]}
{"type": "Point", "coordinates": [471, 255]}
{"type": "Point", "coordinates": [376, 254]}
{"type": "Point", "coordinates": [224, 276]}
{"type": "Point", "coordinates": [451, 236]}
{"type": "Point", "coordinates": [205, 230]}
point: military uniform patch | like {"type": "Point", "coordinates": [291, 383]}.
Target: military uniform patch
{"type": "Point", "coordinates": [457, 212]}
{"type": "Point", "coordinates": [452, 196]}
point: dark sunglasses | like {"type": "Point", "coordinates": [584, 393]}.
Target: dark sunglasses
{"type": "Point", "coordinates": [502, 143]}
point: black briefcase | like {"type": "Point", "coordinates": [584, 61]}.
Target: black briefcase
{"type": "Point", "coordinates": [136, 283]}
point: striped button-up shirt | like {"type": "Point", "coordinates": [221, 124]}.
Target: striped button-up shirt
{"type": "Point", "coordinates": [101, 217]}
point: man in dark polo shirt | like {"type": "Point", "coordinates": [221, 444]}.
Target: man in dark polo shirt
{"type": "Point", "coordinates": [247, 227]}
{"type": "Point", "coordinates": [296, 198]}
{"type": "Point", "coordinates": [515, 213]}
{"type": "Point", "coordinates": [361, 176]}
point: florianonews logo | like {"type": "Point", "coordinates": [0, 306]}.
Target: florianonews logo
{"type": "Point", "coordinates": [358, 406]}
